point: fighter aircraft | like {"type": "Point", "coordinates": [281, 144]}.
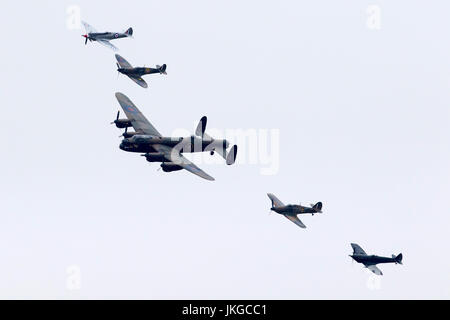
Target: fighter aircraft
{"type": "Point", "coordinates": [168, 150]}
{"type": "Point", "coordinates": [135, 73]}
{"type": "Point", "coordinates": [292, 210]}
{"type": "Point", "coordinates": [104, 37]}
{"type": "Point", "coordinates": [370, 261]}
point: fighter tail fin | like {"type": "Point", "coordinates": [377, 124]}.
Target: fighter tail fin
{"type": "Point", "coordinates": [398, 258]}
{"type": "Point", "coordinates": [318, 207]}
{"type": "Point", "coordinates": [129, 32]}
{"type": "Point", "coordinates": [162, 69]}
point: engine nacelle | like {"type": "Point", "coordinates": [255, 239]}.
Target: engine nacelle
{"type": "Point", "coordinates": [170, 166]}
{"type": "Point", "coordinates": [154, 157]}
{"type": "Point", "coordinates": [127, 134]}
{"type": "Point", "coordinates": [122, 123]}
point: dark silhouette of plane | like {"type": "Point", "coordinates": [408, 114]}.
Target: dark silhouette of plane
{"type": "Point", "coordinates": [136, 73]}
{"type": "Point", "coordinates": [104, 37]}
{"type": "Point", "coordinates": [370, 261]}
{"type": "Point", "coordinates": [291, 211]}
{"type": "Point", "coordinates": [168, 150]}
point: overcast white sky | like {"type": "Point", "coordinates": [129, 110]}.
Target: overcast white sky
{"type": "Point", "coordinates": [363, 119]}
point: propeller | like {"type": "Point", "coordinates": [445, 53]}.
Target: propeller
{"type": "Point", "coordinates": [117, 118]}
{"type": "Point", "coordinates": [118, 67]}
{"type": "Point", "coordinates": [124, 134]}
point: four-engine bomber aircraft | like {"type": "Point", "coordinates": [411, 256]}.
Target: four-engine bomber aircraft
{"type": "Point", "coordinates": [292, 210]}
{"type": "Point", "coordinates": [370, 261]}
{"type": "Point", "coordinates": [104, 37]}
{"type": "Point", "coordinates": [156, 148]}
{"type": "Point", "coordinates": [135, 74]}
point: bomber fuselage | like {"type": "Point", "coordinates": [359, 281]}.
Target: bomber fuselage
{"type": "Point", "coordinates": [144, 143]}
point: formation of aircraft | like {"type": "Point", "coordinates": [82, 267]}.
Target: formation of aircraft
{"type": "Point", "coordinates": [135, 74]}
{"type": "Point", "coordinates": [168, 150]}
{"type": "Point", "coordinates": [370, 261]}
{"type": "Point", "coordinates": [104, 37]}
{"type": "Point", "coordinates": [291, 211]}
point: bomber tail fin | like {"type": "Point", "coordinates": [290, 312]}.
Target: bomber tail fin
{"type": "Point", "coordinates": [230, 156]}
{"type": "Point", "coordinates": [398, 258]}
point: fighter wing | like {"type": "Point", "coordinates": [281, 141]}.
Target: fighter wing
{"type": "Point", "coordinates": [357, 249]}
{"type": "Point", "coordinates": [138, 121]}
{"type": "Point", "coordinates": [174, 156]}
{"type": "Point", "coordinates": [296, 220]}
{"type": "Point", "coordinates": [107, 44]}
{"type": "Point", "coordinates": [122, 62]}
{"type": "Point", "coordinates": [139, 81]}
{"type": "Point", "coordinates": [275, 201]}
{"type": "Point", "coordinates": [88, 27]}
{"type": "Point", "coordinates": [375, 270]}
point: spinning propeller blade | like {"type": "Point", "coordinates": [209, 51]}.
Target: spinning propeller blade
{"type": "Point", "coordinates": [125, 133]}
{"type": "Point", "coordinates": [117, 118]}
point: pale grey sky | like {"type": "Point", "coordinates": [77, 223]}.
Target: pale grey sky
{"type": "Point", "coordinates": [363, 121]}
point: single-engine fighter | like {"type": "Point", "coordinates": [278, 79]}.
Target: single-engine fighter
{"type": "Point", "coordinates": [370, 261]}
{"type": "Point", "coordinates": [291, 211]}
{"type": "Point", "coordinates": [104, 37]}
{"type": "Point", "coordinates": [167, 150]}
{"type": "Point", "coordinates": [135, 74]}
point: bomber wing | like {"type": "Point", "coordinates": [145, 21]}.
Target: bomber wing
{"type": "Point", "coordinates": [174, 156]}
{"type": "Point", "coordinates": [375, 269]}
{"type": "Point", "coordinates": [296, 220]}
{"type": "Point", "coordinates": [138, 120]}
